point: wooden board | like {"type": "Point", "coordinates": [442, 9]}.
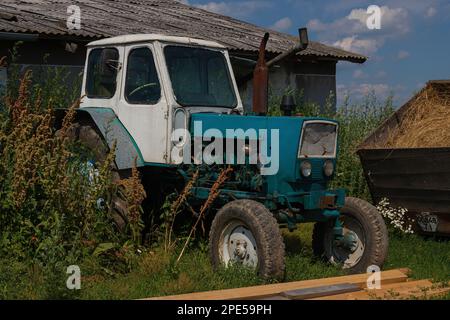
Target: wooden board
{"type": "Point", "coordinates": [264, 291]}
{"type": "Point", "coordinates": [419, 289]}
{"type": "Point", "coordinates": [394, 285]}
{"type": "Point", "coordinates": [322, 291]}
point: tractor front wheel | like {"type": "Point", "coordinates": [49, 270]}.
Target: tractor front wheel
{"type": "Point", "coordinates": [244, 232]}
{"type": "Point", "coordinates": [364, 241]}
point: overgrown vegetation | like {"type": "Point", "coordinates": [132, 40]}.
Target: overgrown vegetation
{"type": "Point", "coordinates": [50, 216]}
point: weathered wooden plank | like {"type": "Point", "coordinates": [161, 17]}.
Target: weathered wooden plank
{"type": "Point", "coordinates": [276, 297]}
{"type": "Point", "coordinates": [309, 293]}
{"type": "Point", "coordinates": [257, 292]}
{"type": "Point", "coordinates": [404, 290]}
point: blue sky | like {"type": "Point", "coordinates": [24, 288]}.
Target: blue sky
{"type": "Point", "coordinates": [412, 46]}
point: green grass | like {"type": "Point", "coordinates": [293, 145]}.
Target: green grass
{"type": "Point", "coordinates": [155, 273]}
{"type": "Point", "coordinates": [428, 259]}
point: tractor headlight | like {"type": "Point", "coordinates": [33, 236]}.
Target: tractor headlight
{"type": "Point", "coordinates": [328, 168]}
{"type": "Point", "coordinates": [306, 169]}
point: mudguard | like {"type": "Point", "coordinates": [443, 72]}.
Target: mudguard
{"type": "Point", "coordinates": [127, 154]}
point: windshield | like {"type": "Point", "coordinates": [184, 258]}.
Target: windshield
{"type": "Point", "coordinates": [319, 140]}
{"type": "Point", "coordinates": [200, 77]}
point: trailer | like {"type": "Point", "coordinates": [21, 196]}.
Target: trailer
{"type": "Point", "coordinates": [418, 178]}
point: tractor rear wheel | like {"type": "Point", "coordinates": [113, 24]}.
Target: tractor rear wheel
{"type": "Point", "coordinates": [244, 232]}
{"type": "Point", "coordinates": [365, 241]}
{"type": "Point", "coordinates": [98, 150]}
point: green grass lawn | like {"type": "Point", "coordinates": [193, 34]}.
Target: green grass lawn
{"type": "Point", "coordinates": [156, 274]}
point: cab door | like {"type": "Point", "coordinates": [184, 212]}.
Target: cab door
{"type": "Point", "coordinates": [143, 107]}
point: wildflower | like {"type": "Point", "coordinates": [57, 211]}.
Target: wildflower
{"type": "Point", "coordinates": [397, 217]}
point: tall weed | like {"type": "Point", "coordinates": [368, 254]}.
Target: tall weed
{"type": "Point", "coordinates": [50, 213]}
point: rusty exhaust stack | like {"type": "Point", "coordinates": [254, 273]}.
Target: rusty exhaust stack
{"type": "Point", "coordinates": [261, 80]}
{"type": "Point", "coordinates": [303, 45]}
{"type": "Point", "coordinates": [261, 72]}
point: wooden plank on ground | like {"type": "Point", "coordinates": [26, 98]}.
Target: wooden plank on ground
{"type": "Point", "coordinates": [403, 290]}
{"type": "Point", "coordinates": [277, 297]}
{"type": "Point", "coordinates": [315, 292]}
{"type": "Point", "coordinates": [257, 292]}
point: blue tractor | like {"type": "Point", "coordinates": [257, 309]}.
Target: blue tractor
{"type": "Point", "coordinates": [171, 107]}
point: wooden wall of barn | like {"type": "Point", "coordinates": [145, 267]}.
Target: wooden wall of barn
{"type": "Point", "coordinates": [316, 79]}
{"type": "Point", "coordinates": [42, 56]}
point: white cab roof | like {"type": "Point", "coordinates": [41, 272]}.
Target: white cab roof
{"type": "Point", "coordinates": [136, 38]}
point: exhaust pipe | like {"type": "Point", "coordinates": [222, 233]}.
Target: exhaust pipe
{"type": "Point", "coordinates": [261, 72]}
{"type": "Point", "coordinates": [261, 80]}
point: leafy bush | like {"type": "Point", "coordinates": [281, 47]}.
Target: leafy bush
{"type": "Point", "coordinates": [51, 215]}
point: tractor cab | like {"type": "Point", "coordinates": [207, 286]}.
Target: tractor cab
{"type": "Point", "coordinates": [153, 83]}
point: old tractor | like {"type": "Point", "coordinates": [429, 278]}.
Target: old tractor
{"type": "Point", "coordinates": [138, 90]}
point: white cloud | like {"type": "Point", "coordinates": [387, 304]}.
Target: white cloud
{"type": "Point", "coordinates": [217, 7]}
{"type": "Point", "coordinates": [358, 14]}
{"type": "Point", "coordinates": [418, 7]}
{"type": "Point", "coordinates": [351, 32]}
{"type": "Point", "coordinates": [364, 46]}
{"type": "Point", "coordinates": [431, 12]}
{"type": "Point", "coordinates": [359, 74]}
{"type": "Point", "coordinates": [379, 89]}
{"type": "Point", "coordinates": [237, 9]}
{"type": "Point", "coordinates": [394, 22]}
{"type": "Point", "coordinates": [357, 91]}
{"type": "Point", "coordinates": [316, 25]}
{"type": "Point", "coordinates": [402, 54]}
{"type": "Point", "coordinates": [282, 25]}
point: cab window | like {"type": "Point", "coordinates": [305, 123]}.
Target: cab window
{"type": "Point", "coordinates": [142, 84]}
{"type": "Point", "coordinates": [200, 77]}
{"type": "Point", "coordinates": [101, 81]}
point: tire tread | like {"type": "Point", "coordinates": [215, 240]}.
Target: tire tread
{"type": "Point", "coordinates": [258, 217]}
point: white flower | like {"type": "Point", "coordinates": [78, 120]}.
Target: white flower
{"type": "Point", "coordinates": [395, 216]}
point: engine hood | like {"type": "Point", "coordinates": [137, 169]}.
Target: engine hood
{"type": "Point", "coordinates": [284, 131]}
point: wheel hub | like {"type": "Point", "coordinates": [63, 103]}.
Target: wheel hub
{"type": "Point", "coordinates": [349, 241]}
{"type": "Point", "coordinates": [241, 249]}
{"type": "Point", "coordinates": [239, 245]}
{"type": "Point", "coordinates": [348, 247]}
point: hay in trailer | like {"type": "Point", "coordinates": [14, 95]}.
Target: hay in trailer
{"type": "Point", "coordinates": [423, 122]}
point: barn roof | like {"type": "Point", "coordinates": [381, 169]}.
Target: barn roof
{"type": "Point", "coordinates": [106, 18]}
